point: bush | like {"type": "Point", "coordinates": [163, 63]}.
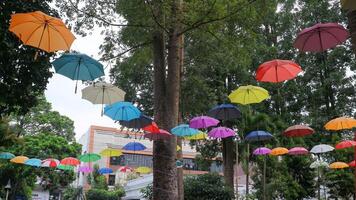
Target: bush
{"type": "Point", "coordinates": [100, 194]}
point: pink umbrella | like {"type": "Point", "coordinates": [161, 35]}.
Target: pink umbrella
{"type": "Point", "coordinates": [85, 169]}
{"type": "Point", "coordinates": [298, 151]}
{"type": "Point", "coordinates": [221, 132]}
{"type": "Point", "coordinates": [203, 122]}
{"type": "Point", "coordinates": [321, 37]}
{"type": "Point", "coordinates": [50, 162]}
{"type": "Point", "coordinates": [161, 135]}
{"type": "Point", "coordinates": [261, 151]}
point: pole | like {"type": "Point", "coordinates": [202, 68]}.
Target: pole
{"type": "Point", "coordinates": [355, 167]}
{"type": "Point", "coordinates": [7, 194]}
{"type": "Point", "coordinates": [319, 183]}
{"type": "Point", "coordinates": [264, 178]}
{"type": "Point", "coordinates": [248, 169]}
{"type": "Point", "coordinates": [237, 168]}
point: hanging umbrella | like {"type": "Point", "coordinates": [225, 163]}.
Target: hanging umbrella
{"type": "Point", "coordinates": [352, 164]}
{"type": "Point", "coordinates": [134, 146]}
{"type": "Point", "coordinates": [137, 123]}
{"type": "Point", "coordinates": [161, 135]}
{"type": "Point", "coordinates": [258, 136]}
{"type": "Point", "coordinates": [278, 151]}
{"type": "Point", "coordinates": [105, 170]}
{"type": "Point", "coordinates": [33, 162]}
{"type": "Point", "coordinates": [66, 167]}
{"type": "Point", "coordinates": [122, 111]}
{"type": "Point", "coordinates": [275, 71]}
{"type": "Point", "coordinates": [345, 144]}
{"type": "Point", "coordinates": [225, 112]}
{"type": "Point", "coordinates": [89, 157]}
{"type": "Point", "coordinates": [143, 170]}
{"type": "Point", "coordinates": [19, 159]}
{"type": "Point", "coordinates": [70, 161]}
{"type": "Point", "coordinates": [298, 131]}
{"type": "Point", "coordinates": [152, 128]}
{"type": "Point", "coordinates": [178, 148]}
{"type": "Point", "coordinates": [263, 151]}
{"type": "Point", "coordinates": [321, 37]}
{"type": "Point", "coordinates": [248, 95]}
{"type": "Point", "coordinates": [319, 164]}
{"type": "Point", "coordinates": [199, 136]}
{"type": "Point", "coordinates": [348, 4]}
{"type": "Point", "coordinates": [321, 148]}
{"type": "Point", "coordinates": [298, 151]}
{"type": "Point", "coordinates": [50, 162]}
{"type": "Point", "coordinates": [184, 130]}
{"type": "Point", "coordinates": [338, 165]}
{"type": "Point", "coordinates": [340, 123]}
{"type": "Point", "coordinates": [41, 31]}
{"type": "Point", "coordinates": [203, 122]}
{"type": "Point", "coordinates": [85, 169]}
{"type": "Point", "coordinates": [125, 169]}
{"type": "Point", "coordinates": [6, 155]}
{"type": "Point", "coordinates": [221, 132]}
{"type": "Point", "coordinates": [110, 152]}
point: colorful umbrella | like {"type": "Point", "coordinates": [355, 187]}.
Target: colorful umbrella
{"type": "Point", "coordinates": [352, 164]}
{"type": "Point", "coordinates": [248, 95]}
{"type": "Point", "coordinates": [275, 71]}
{"type": "Point", "coordinates": [345, 144]}
{"type": "Point", "coordinates": [184, 130]}
{"type": "Point", "coordinates": [152, 128]}
{"type": "Point", "coordinates": [89, 157]}
{"type": "Point", "coordinates": [261, 151]}
{"type": "Point", "coordinates": [137, 123]}
{"type": "Point", "coordinates": [321, 148]}
{"type": "Point", "coordinates": [50, 162]}
{"type": "Point", "coordinates": [85, 169]}
{"type": "Point", "coordinates": [19, 159]}
{"type": "Point", "coordinates": [161, 135]}
{"type": "Point", "coordinates": [225, 112]}
{"type": "Point", "coordinates": [338, 165]}
{"type": "Point", "coordinates": [143, 170]}
{"type": "Point", "coordinates": [6, 155]}
{"type": "Point", "coordinates": [321, 37]}
{"type": "Point", "coordinates": [199, 136]}
{"type": "Point", "coordinates": [134, 146]}
{"type": "Point", "coordinates": [278, 151]}
{"type": "Point", "coordinates": [70, 161]}
{"type": "Point", "coordinates": [298, 131]}
{"type": "Point", "coordinates": [66, 167]}
{"type": "Point", "coordinates": [33, 162]}
{"type": "Point", "coordinates": [178, 148]}
{"type": "Point", "coordinates": [41, 31]}
{"type": "Point", "coordinates": [348, 4]}
{"type": "Point", "coordinates": [203, 122]}
{"type": "Point", "coordinates": [122, 111]}
{"type": "Point", "coordinates": [221, 132]}
{"type": "Point", "coordinates": [105, 170]}
{"type": "Point", "coordinates": [258, 136]}
{"type": "Point", "coordinates": [298, 151]}
{"type": "Point", "coordinates": [110, 152]}
{"type": "Point", "coordinates": [340, 123]}
{"type": "Point", "coordinates": [125, 169]}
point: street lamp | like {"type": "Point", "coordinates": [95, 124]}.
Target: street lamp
{"type": "Point", "coordinates": [8, 188]}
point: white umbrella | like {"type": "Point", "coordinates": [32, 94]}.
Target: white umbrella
{"type": "Point", "coordinates": [321, 148]}
{"type": "Point", "coordinates": [50, 162]}
{"type": "Point", "coordinates": [319, 164]}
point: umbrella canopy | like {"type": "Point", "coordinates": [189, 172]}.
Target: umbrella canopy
{"type": "Point", "coordinates": [340, 123]}
{"type": "Point", "coordinates": [65, 167]}
{"type": "Point", "coordinates": [298, 151]}
{"type": "Point", "coordinates": [338, 165]}
{"type": "Point", "coordinates": [178, 148]}
{"type": "Point", "coordinates": [248, 95]}
{"type": "Point", "coordinates": [298, 131]}
{"type": "Point", "coordinates": [275, 71]}
{"type": "Point", "coordinates": [85, 169]}
{"type": "Point", "coordinates": [321, 37]}
{"type": "Point", "coordinates": [125, 169]}
{"type": "Point", "coordinates": [184, 130]}
{"type": "Point", "coordinates": [6, 155]}
{"type": "Point", "coordinates": [152, 128]}
{"type": "Point", "coordinates": [352, 164]}
{"type": "Point", "coordinates": [319, 164]}
{"type": "Point", "coordinates": [103, 93]}
{"type": "Point", "coordinates": [321, 148]}
{"type": "Point", "coordinates": [137, 123]}
{"type": "Point", "coordinates": [161, 135]}
{"type": "Point", "coordinates": [19, 159]}
{"type": "Point", "coordinates": [348, 4]}
{"type": "Point", "coordinates": [110, 152]}
{"type": "Point", "coordinates": [258, 136]}
{"type": "Point", "coordinates": [41, 31]}
{"type": "Point", "coordinates": [261, 151]}
{"type": "Point", "coordinates": [33, 162]}
{"type": "Point", "coordinates": [122, 111]}
{"type": "Point", "coordinates": [203, 122]}
{"type": "Point", "coordinates": [105, 170]}
{"type": "Point", "coordinates": [89, 157]}
{"type": "Point", "coordinates": [134, 146]}
{"type": "Point", "coordinates": [70, 161]}
{"type": "Point", "coordinates": [225, 112]}
{"type": "Point", "coordinates": [345, 144]}
{"type": "Point", "coordinates": [199, 136]}
{"type": "Point", "coordinates": [278, 151]}
{"type": "Point", "coordinates": [221, 132]}
{"type": "Point", "coordinates": [50, 162]}
{"type": "Point", "coordinates": [143, 170]}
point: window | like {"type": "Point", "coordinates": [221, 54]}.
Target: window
{"type": "Point", "coordinates": [111, 180]}
{"type": "Point", "coordinates": [117, 160]}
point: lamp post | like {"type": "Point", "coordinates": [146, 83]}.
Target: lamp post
{"type": "Point", "coordinates": [8, 188]}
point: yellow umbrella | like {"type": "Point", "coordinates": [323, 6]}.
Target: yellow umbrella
{"type": "Point", "coordinates": [340, 123]}
{"type": "Point", "coordinates": [338, 165]}
{"type": "Point", "coordinates": [110, 152]}
{"type": "Point", "coordinates": [279, 151]}
{"type": "Point", "coordinates": [19, 159]}
{"type": "Point", "coordinates": [348, 4]}
{"type": "Point", "coordinates": [200, 136]}
{"type": "Point", "coordinates": [248, 94]}
{"type": "Point", "coordinates": [41, 31]}
{"type": "Point", "coordinates": [178, 148]}
{"type": "Point", "coordinates": [143, 170]}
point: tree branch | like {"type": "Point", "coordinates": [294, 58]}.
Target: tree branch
{"type": "Point", "coordinates": [155, 17]}
{"type": "Point", "coordinates": [127, 50]}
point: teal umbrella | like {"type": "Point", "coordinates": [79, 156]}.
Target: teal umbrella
{"type": "Point", "coordinates": [184, 130]}
{"type": "Point", "coordinates": [33, 162]}
{"type": "Point", "coordinates": [6, 155]}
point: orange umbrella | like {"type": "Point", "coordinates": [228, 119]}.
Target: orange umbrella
{"type": "Point", "coordinates": [41, 31]}
{"type": "Point", "coordinates": [279, 151]}
{"type": "Point", "coordinates": [19, 159]}
{"type": "Point", "coordinates": [340, 123]}
{"type": "Point", "coordinates": [338, 165]}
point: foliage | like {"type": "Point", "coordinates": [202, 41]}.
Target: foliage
{"type": "Point", "coordinates": [101, 194]}
{"type": "Point", "coordinates": [72, 193]}
{"type": "Point", "coordinates": [340, 184]}
{"type": "Point", "coordinates": [147, 192]}
{"type": "Point", "coordinates": [97, 180]}
{"type": "Point", "coordinates": [7, 134]}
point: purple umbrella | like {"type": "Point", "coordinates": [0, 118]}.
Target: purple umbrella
{"type": "Point", "coordinates": [261, 151]}
{"type": "Point", "coordinates": [298, 151]}
{"type": "Point", "coordinates": [85, 169]}
{"type": "Point", "coordinates": [321, 37]}
{"type": "Point", "coordinates": [221, 132]}
{"type": "Point", "coordinates": [203, 122]}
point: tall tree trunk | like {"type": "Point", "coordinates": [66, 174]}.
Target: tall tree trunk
{"type": "Point", "coordinates": [228, 161]}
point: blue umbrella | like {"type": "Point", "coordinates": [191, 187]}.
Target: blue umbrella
{"type": "Point", "coordinates": [6, 155]}
{"type": "Point", "coordinates": [77, 66]}
{"type": "Point", "coordinates": [134, 146]}
{"type": "Point", "coordinates": [225, 112]}
{"type": "Point", "coordinates": [184, 130]}
{"type": "Point", "coordinates": [33, 162]}
{"type": "Point", "coordinates": [105, 170]}
{"type": "Point", "coordinates": [138, 123]}
{"type": "Point", "coordinates": [258, 136]}
{"type": "Point", "coordinates": [122, 110]}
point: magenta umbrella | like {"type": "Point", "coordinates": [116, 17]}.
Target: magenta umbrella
{"type": "Point", "coordinates": [321, 37]}
{"type": "Point", "coordinates": [298, 151]}
{"type": "Point", "coordinates": [221, 132]}
{"type": "Point", "coordinates": [203, 122]}
{"type": "Point", "coordinates": [85, 169]}
{"type": "Point", "coordinates": [263, 151]}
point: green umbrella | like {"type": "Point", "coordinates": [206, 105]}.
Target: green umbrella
{"type": "Point", "coordinates": [89, 157]}
{"type": "Point", "coordinates": [65, 167]}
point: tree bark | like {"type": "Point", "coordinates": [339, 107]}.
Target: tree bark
{"type": "Point", "coordinates": [228, 161]}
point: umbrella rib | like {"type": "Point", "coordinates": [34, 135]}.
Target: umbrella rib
{"type": "Point", "coordinates": [33, 33]}
{"type": "Point", "coordinates": [54, 28]}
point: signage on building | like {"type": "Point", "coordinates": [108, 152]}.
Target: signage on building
{"type": "Point", "coordinates": [40, 195]}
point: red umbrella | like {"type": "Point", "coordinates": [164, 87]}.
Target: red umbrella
{"type": "Point", "coordinates": [161, 135]}
{"type": "Point", "coordinates": [321, 37]}
{"type": "Point", "coordinates": [345, 144]}
{"type": "Point", "coordinates": [125, 169]}
{"type": "Point", "coordinates": [152, 128]}
{"type": "Point", "coordinates": [70, 161]}
{"type": "Point", "coordinates": [298, 131]}
{"type": "Point", "coordinates": [352, 163]}
{"type": "Point", "coordinates": [277, 71]}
